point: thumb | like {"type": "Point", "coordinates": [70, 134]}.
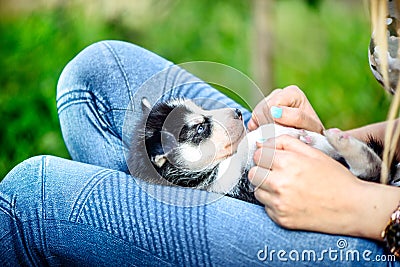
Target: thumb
{"type": "Point", "coordinates": [295, 117]}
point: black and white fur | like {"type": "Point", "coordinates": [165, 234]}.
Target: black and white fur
{"type": "Point", "coordinates": [179, 143]}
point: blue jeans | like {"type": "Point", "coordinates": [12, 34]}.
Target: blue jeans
{"type": "Point", "coordinates": [90, 211]}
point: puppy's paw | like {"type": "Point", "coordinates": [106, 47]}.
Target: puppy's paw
{"type": "Point", "coordinates": [306, 138]}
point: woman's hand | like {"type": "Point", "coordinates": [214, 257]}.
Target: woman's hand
{"type": "Point", "coordinates": [290, 107]}
{"type": "Point", "coordinates": [303, 188]}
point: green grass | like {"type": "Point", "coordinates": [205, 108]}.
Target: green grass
{"type": "Point", "coordinates": [329, 61]}
{"type": "Point", "coordinates": [323, 50]}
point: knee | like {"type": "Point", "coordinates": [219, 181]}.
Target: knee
{"type": "Point", "coordinates": [21, 189]}
{"type": "Point", "coordinates": [77, 74]}
{"type": "Point", "coordinates": [21, 212]}
{"type": "Point", "coordinates": [23, 173]}
{"type": "Point", "coordinates": [108, 60]}
{"type": "Point", "coordinates": [95, 63]}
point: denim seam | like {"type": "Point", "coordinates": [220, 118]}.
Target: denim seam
{"type": "Point", "coordinates": [119, 64]}
{"type": "Point", "coordinates": [124, 74]}
{"type": "Point", "coordinates": [75, 96]}
{"type": "Point", "coordinates": [42, 174]}
{"type": "Point", "coordinates": [9, 209]}
{"type": "Point", "coordinates": [3, 207]}
{"type": "Point", "coordinates": [85, 193]}
{"type": "Point", "coordinates": [42, 229]}
{"type": "Point", "coordinates": [67, 104]}
{"type": "Point", "coordinates": [175, 78]}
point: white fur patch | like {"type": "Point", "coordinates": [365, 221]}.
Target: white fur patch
{"type": "Point", "coordinates": [229, 174]}
{"type": "Point", "coordinates": [191, 153]}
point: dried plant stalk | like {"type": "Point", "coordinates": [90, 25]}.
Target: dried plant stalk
{"type": "Point", "coordinates": [379, 12]}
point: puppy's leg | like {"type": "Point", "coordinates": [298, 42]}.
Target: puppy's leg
{"type": "Point", "coordinates": [362, 160]}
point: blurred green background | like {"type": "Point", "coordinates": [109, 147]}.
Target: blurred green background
{"type": "Point", "coordinates": [319, 45]}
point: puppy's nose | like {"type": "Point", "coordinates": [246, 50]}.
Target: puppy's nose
{"type": "Point", "coordinates": [238, 114]}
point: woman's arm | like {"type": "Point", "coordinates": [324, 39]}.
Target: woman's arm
{"type": "Point", "coordinates": [375, 206]}
{"type": "Point", "coordinates": [305, 189]}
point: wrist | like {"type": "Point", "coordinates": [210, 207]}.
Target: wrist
{"type": "Point", "coordinates": [373, 208]}
{"type": "Point", "coordinates": [391, 234]}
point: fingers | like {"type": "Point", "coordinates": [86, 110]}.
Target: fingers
{"type": "Point", "coordinates": [259, 116]}
{"type": "Point", "coordinates": [279, 153]}
{"type": "Point", "coordinates": [279, 97]}
{"type": "Point", "coordinates": [258, 176]}
{"type": "Point", "coordinates": [290, 96]}
{"type": "Point", "coordinates": [261, 113]}
{"type": "Point", "coordinates": [252, 124]}
{"type": "Point", "coordinates": [289, 107]}
{"type": "Point", "coordinates": [298, 118]}
{"type": "Point", "coordinates": [266, 153]}
{"type": "Point", "coordinates": [263, 196]}
{"type": "Point", "coordinates": [282, 142]}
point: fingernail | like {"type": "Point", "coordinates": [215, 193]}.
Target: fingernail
{"type": "Point", "coordinates": [261, 140]}
{"type": "Point", "coordinates": [276, 112]}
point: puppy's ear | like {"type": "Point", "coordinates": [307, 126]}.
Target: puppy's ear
{"type": "Point", "coordinates": [167, 145]}
{"type": "Point", "coordinates": [146, 106]}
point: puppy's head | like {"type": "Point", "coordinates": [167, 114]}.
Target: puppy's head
{"type": "Point", "coordinates": [180, 135]}
{"type": "Point", "coordinates": [182, 138]}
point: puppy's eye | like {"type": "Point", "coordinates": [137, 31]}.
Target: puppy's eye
{"type": "Point", "coordinates": [200, 129]}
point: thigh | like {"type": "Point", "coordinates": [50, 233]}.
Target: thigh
{"type": "Point", "coordinates": [99, 94]}
{"type": "Point", "coordinates": [54, 211]}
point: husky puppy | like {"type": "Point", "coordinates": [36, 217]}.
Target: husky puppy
{"type": "Point", "coordinates": [179, 143]}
